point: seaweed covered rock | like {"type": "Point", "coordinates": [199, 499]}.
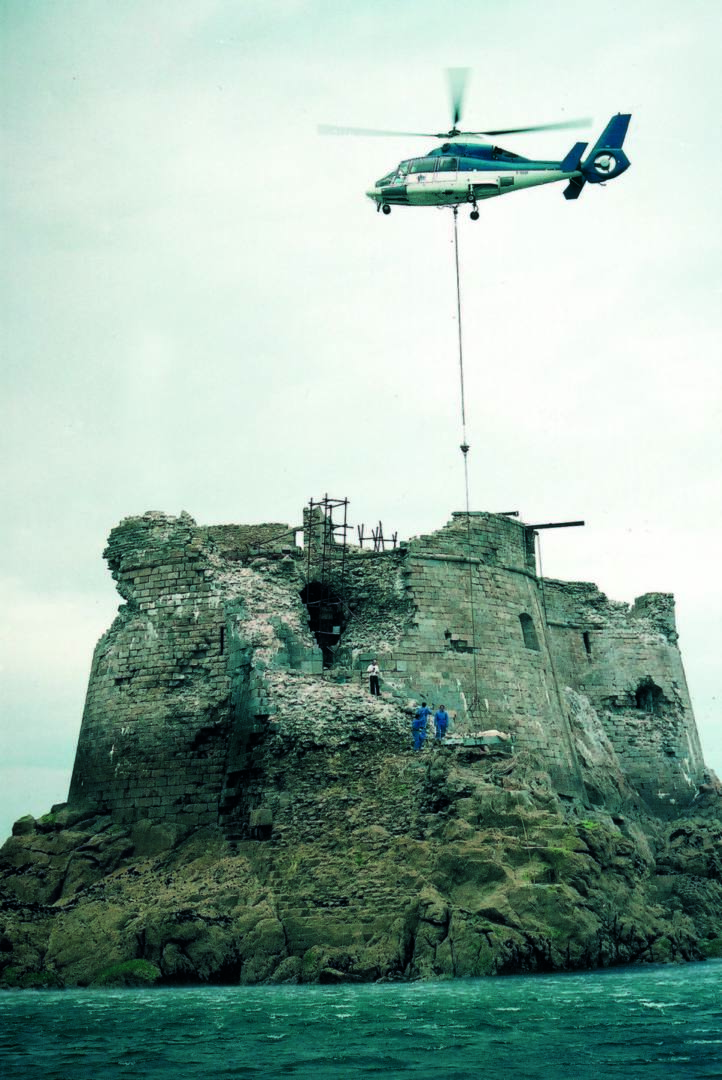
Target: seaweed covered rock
{"type": "Point", "coordinates": [400, 866]}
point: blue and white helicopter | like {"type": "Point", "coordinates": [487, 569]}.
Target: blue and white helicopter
{"type": "Point", "coordinates": [459, 172]}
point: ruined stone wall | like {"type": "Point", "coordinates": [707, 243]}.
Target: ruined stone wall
{"type": "Point", "coordinates": [237, 543]}
{"type": "Point", "coordinates": [477, 639]}
{"type": "Point", "coordinates": [159, 687]}
{"type": "Point", "coordinates": [178, 680]}
{"type": "Point", "coordinates": [411, 609]}
{"type": "Point", "coordinates": [378, 608]}
{"type": "Point", "coordinates": [626, 661]}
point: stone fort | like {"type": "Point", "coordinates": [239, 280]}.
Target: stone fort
{"type": "Point", "coordinates": [233, 636]}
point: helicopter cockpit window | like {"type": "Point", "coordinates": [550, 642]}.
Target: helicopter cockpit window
{"type": "Point", "coordinates": [423, 164]}
{"type": "Point", "coordinates": [448, 164]}
{"type": "Point", "coordinates": [403, 168]}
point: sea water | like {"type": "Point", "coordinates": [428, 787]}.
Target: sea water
{"type": "Point", "coordinates": [645, 1022]}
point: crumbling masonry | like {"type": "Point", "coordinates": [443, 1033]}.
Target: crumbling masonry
{"type": "Point", "coordinates": [212, 655]}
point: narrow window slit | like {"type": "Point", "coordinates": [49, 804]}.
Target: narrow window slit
{"type": "Point", "coordinates": [528, 632]}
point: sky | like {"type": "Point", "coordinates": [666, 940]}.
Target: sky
{"type": "Point", "coordinates": [200, 310]}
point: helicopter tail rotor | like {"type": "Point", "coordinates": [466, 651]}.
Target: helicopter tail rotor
{"type": "Point", "coordinates": [606, 159]}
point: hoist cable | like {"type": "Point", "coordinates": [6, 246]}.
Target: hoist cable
{"type": "Point", "coordinates": [465, 451]}
{"type": "Point", "coordinates": [461, 349]}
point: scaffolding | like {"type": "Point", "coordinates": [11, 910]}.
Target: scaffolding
{"type": "Point", "coordinates": [376, 537]}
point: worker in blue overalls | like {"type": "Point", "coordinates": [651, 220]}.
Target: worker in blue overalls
{"type": "Point", "coordinates": [418, 725]}
{"type": "Point", "coordinates": [441, 720]}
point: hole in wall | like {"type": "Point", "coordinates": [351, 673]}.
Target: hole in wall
{"type": "Point", "coordinates": [325, 617]}
{"type": "Point", "coordinates": [649, 697]}
{"type": "Point", "coordinates": [587, 643]}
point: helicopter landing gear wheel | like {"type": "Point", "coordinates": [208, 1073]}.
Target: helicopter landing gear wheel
{"type": "Point", "coordinates": [474, 215]}
{"type": "Point", "coordinates": [386, 208]}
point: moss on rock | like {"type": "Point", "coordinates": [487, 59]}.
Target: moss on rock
{"type": "Point", "coordinates": [371, 883]}
{"type": "Point", "coordinates": [129, 973]}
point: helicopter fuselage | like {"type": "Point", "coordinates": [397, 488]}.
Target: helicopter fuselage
{"type": "Point", "coordinates": [461, 172]}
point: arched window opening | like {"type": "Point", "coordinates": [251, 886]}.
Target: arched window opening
{"type": "Point", "coordinates": [528, 632]}
{"type": "Point", "coordinates": [325, 618]}
{"type": "Point", "coordinates": [649, 697]}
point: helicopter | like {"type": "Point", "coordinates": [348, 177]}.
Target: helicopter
{"type": "Point", "coordinates": [459, 172]}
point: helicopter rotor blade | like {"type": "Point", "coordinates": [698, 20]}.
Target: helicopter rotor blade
{"type": "Point", "coordinates": [336, 129]}
{"type": "Point", "coordinates": [559, 126]}
{"type": "Point", "coordinates": [458, 78]}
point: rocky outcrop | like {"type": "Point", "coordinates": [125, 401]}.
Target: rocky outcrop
{"type": "Point", "coordinates": [392, 866]}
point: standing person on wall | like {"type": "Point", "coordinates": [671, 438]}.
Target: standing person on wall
{"type": "Point", "coordinates": [418, 725]}
{"type": "Point", "coordinates": [441, 720]}
{"type": "Point", "coordinates": [373, 673]}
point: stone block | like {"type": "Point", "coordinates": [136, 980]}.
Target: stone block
{"type": "Point", "coordinates": [260, 817]}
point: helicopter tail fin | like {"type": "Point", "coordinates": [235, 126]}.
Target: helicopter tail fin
{"type": "Point", "coordinates": [571, 165]}
{"type": "Point", "coordinates": [574, 188]}
{"type": "Point", "coordinates": [606, 159]}
{"type": "Point", "coordinates": [573, 159]}
{"type": "Point", "coordinates": [614, 134]}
